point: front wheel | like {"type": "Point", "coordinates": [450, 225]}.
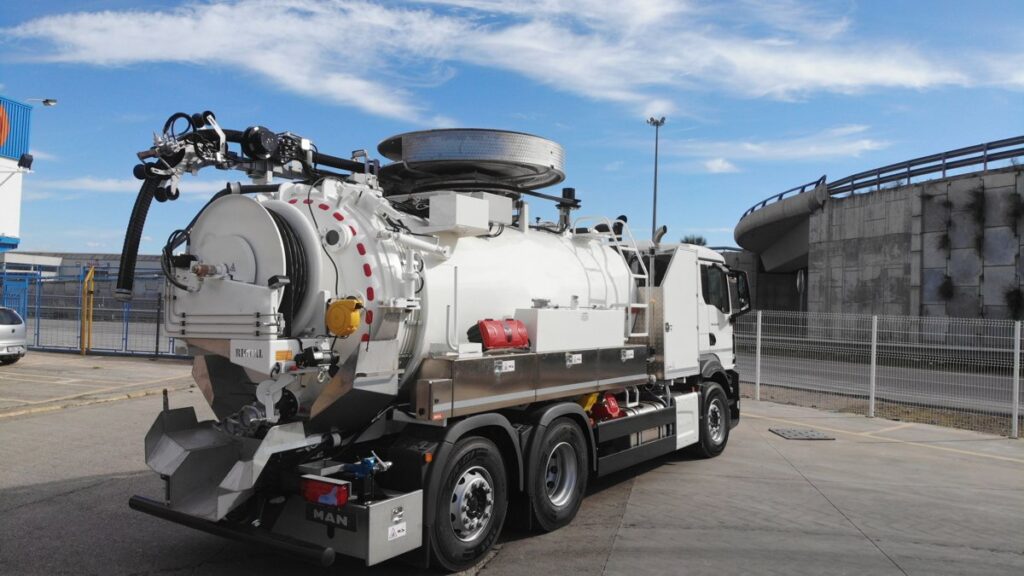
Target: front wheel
{"type": "Point", "coordinates": [9, 360]}
{"type": "Point", "coordinates": [714, 423]}
{"type": "Point", "coordinates": [472, 506]}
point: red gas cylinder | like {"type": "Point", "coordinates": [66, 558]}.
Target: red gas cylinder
{"type": "Point", "coordinates": [607, 408]}
{"type": "Point", "coordinates": [497, 334]}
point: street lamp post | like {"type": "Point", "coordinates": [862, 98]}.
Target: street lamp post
{"type": "Point", "coordinates": [48, 102]}
{"type": "Point", "coordinates": [657, 123]}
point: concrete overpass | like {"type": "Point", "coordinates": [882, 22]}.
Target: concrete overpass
{"type": "Point", "coordinates": [777, 228]}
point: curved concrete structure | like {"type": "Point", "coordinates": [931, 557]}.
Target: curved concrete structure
{"type": "Point", "coordinates": [777, 228]}
{"type": "Point", "coordinates": [778, 232]}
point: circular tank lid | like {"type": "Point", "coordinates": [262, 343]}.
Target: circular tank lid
{"type": "Point", "coordinates": [466, 156]}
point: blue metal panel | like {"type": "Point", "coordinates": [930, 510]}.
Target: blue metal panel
{"type": "Point", "coordinates": [15, 119]}
{"type": "Point", "coordinates": [8, 243]}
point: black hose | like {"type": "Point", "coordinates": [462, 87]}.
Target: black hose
{"type": "Point", "coordinates": [132, 237]}
{"type": "Point", "coordinates": [339, 163]}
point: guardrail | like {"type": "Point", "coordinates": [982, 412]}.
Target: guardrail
{"type": "Point", "coordinates": [980, 154]}
{"type": "Point", "coordinates": [959, 372]}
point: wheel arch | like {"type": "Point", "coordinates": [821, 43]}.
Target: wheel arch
{"type": "Point", "coordinates": [492, 426]}
{"type": "Point", "coordinates": [544, 416]}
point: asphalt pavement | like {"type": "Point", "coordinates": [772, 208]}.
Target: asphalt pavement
{"type": "Point", "coordinates": [883, 498]}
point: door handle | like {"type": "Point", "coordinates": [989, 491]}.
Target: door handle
{"type": "Point", "coordinates": [668, 327]}
{"type": "Point", "coordinates": [712, 338]}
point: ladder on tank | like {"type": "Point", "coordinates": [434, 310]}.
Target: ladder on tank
{"type": "Point", "coordinates": [625, 243]}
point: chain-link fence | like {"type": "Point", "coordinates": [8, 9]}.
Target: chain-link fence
{"type": "Point", "coordinates": [60, 314]}
{"type": "Point", "coordinates": [956, 372]}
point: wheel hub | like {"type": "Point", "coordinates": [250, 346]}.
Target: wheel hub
{"type": "Point", "coordinates": [560, 474]}
{"type": "Point", "coordinates": [472, 504]}
{"type": "Point", "coordinates": [715, 428]}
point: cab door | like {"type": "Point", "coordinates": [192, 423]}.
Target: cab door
{"type": "Point", "coordinates": [679, 302]}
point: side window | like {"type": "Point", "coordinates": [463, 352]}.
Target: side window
{"type": "Point", "coordinates": [715, 287]}
{"type": "Point", "coordinates": [704, 284]}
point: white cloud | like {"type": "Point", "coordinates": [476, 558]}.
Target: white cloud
{"type": "Point", "coordinates": [848, 140]}
{"type": "Point", "coordinates": [40, 155]}
{"type": "Point", "coordinates": [719, 166]}
{"type": "Point", "coordinates": [88, 186]}
{"type": "Point", "coordinates": [373, 56]}
{"type": "Point", "coordinates": [614, 166]}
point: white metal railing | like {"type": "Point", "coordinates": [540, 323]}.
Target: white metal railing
{"type": "Point", "coordinates": [957, 372]}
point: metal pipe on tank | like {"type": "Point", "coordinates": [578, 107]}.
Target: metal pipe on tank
{"type": "Point", "coordinates": [454, 347]}
{"type": "Point", "coordinates": [416, 243]}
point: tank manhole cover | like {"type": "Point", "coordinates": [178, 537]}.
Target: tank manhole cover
{"type": "Point", "coordinates": [800, 434]}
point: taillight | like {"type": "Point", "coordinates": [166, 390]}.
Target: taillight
{"type": "Point", "coordinates": [324, 491]}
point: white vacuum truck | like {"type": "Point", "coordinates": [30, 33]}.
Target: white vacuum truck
{"type": "Point", "coordinates": [399, 358]}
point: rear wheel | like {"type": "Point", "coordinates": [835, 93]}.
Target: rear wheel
{"type": "Point", "coordinates": [472, 506]}
{"type": "Point", "coordinates": [714, 424]}
{"type": "Point", "coordinates": [9, 360]}
{"type": "Point", "coordinates": [560, 475]}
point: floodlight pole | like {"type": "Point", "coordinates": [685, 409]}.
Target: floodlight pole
{"type": "Point", "coordinates": [657, 123]}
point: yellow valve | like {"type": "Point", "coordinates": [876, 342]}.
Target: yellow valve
{"type": "Point", "coordinates": [588, 401]}
{"type": "Point", "coordinates": [343, 316]}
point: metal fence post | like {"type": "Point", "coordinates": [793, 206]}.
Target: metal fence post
{"type": "Point", "coordinates": [159, 309]}
{"type": "Point", "coordinates": [874, 365]}
{"type": "Point", "coordinates": [757, 360]}
{"type": "Point", "coordinates": [1015, 408]}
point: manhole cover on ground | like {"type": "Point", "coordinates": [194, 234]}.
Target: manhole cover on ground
{"type": "Point", "coordinates": [800, 434]}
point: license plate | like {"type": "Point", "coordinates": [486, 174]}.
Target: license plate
{"type": "Point", "coordinates": [330, 516]}
{"type": "Point", "coordinates": [15, 349]}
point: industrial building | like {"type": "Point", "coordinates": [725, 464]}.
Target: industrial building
{"type": "Point", "coordinates": [15, 161]}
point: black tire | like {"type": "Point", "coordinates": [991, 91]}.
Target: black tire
{"type": "Point", "coordinates": [559, 476]}
{"type": "Point", "coordinates": [9, 360]}
{"type": "Point", "coordinates": [714, 423]}
{"type": "Point", "coordinates": [474, 468]}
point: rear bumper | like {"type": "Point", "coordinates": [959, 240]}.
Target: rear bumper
{"type": "Point", "coordinates": [309, 552]}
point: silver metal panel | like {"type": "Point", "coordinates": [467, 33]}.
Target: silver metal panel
{"type": "Point", "coordinates": [433, 399]}
{"type": "Point", "coordinates": [620, 366]}
{"type": "Point", "coordinates": [493, 382]}
{"type": "Point", "coordinates": [395, 526]}
{"type": "Point", "coordinates": [564, 374]}
{"type": "Point", "coordinates": [372, 534]}
{"type": "Point", "coordinates": [452, 387]}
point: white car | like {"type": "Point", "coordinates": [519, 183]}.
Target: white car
{"type": "Point", "coordinates": [12, 336]}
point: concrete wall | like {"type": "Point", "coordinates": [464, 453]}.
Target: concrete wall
{"type": "Point", "coordinates": [767, 291]}
{"type": "Point", "coordinates": [891, 251]}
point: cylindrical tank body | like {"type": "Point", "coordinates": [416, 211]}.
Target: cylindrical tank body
{"type": "Point", "coordinates": [363, 247]}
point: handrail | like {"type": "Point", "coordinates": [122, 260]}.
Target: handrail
{"type": "Point", "coordinates": [934, 163]}
{"type": "Point", "coordinates": [798, 189]}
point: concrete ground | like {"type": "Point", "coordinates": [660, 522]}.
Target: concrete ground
{"type": "Point", "coordinates": [883, 498]}
{"type": "Point", "coordinates": [43, 381]}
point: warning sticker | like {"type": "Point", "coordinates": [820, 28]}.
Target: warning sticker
{"type": "Point", "coordinates": [397, 531]}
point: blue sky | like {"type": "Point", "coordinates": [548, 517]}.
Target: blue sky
{"type": "Point", "coordinates": [760, 95]}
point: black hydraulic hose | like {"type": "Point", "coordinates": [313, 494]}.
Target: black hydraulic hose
{"type": "Point", "coordinates": [132, 237]}
{"type": "Point", "coordinates": [339, 163]}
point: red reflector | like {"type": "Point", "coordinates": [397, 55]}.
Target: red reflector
{"type": "Point", "coordinates": [324, 491]}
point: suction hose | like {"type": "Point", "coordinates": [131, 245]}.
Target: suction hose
{"type": "Point", "coordinates": [132, 237]}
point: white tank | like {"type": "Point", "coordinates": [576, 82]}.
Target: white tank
{"type": "Point", "coordinates": [423, 285]}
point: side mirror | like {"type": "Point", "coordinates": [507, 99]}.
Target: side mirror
{"type": "Point", "coordinates": [742, 294]}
